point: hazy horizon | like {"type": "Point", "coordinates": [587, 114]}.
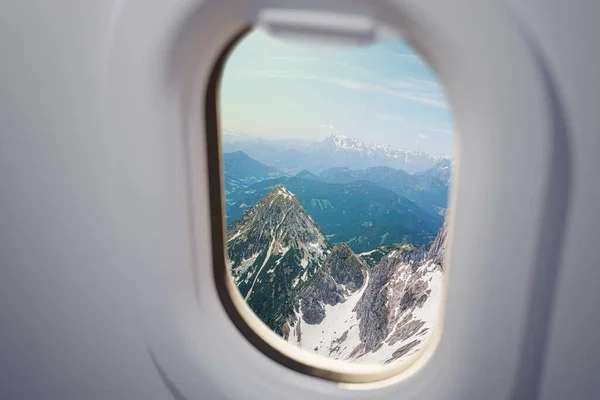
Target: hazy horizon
{"type": "Point", "coordinates": [382, 94]}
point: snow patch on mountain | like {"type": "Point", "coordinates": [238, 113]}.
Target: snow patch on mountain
{"type": "Point", "coordinates": [376, 307]}
{"type": "Point", "coordinates": [389, 317]}
{"type": "Point", "coordinates": [336, 336]}
{"type": "Point", "coordinates": [412, 301]}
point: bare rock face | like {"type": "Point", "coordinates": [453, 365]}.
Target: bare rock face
{"type": "Point", "coordinates": [392, 307]}
{"type": "Point", "coordinates": [346, 268]}
{"type": "Point", "coordinates": [371, 309]}
{"type": "Point", "coordinates": [375, 307]}
{"type": "Point", "coordinates": [388, 318]}
{"type": "Point", "coordinates": [407, 251]}
{"type": "Point", "coordinates": [438, 248]}
{"type": "Point", "coordinates": [342, 274]}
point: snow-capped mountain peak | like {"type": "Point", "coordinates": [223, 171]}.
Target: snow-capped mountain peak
{"type": "Point", "coordinates": [338, 135]}
{"type": "Point", "coordinates": [340, 150]}
{"type": "Point", "coordinates": [441, 169]}
{"type": "Point", "coordinates": [337, 141]}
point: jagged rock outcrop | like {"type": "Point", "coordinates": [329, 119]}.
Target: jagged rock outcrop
{"type": "Point", "coordinates": [342, 274]}
{"type": "Point", "coordinates": [406, 251]}
{"type": "Point", "coordinates": [437, 250]}
{"type": "Point", "coordinates": [399, 305]}
{"type": "Point", "coordinates": [389, 317]}
{"type": "Point", "coordinates": [375, 307]}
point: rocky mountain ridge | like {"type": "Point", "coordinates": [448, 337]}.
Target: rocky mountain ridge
{"type": "Point", "coordinates": [326, 299]}
{"type": "Point", "coordinates": [335, 150]}
{"type": "Point", "coordinates": [272, 249]}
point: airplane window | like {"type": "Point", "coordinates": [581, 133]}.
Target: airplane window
{"type": "Point", "coordinates": [336, 166]}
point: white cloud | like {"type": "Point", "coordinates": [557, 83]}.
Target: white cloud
{"type": "Point", "coordinates": [327, 126]}
{"type": "Point", "coordinates": [425, 99]}
{"type": "Point", "coordinates": [412, 89]}
{"type": "Point", "coordinates": [392, 55]}
{"type": "Point", "coordinates": [272, 73]}
{"type": "Point", "coordinates": [301, 62]}
{"type": "Point", "coordinates": [431, 98]}
{"type": "Point", "coordinates": [445, 132]}
{"type": "Point", "coordinates": [416, 84]}
{"type": "Point", "coordinates": [424, 137]}
{"type": "Point", "coordinates": [389, 117]}
{"type": "Point", "coordinates": [292, 58]}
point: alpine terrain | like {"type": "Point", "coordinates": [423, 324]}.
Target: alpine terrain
{"type": "Point", "coordinates": [373, 307]}
{"type": "Point", "coordinates": [428, 189]}
{"type": "Point", "coordinates": [242, 171]}
{"type": "Point", "coordinates": [336, 150]}
{"type": "Point", "coordinates": [361, 214]}
{"type": "Point", "coordinates": [273, 250]}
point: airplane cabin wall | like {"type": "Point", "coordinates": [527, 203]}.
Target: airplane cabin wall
{"type": "Point", "coordinates": [94, 202]}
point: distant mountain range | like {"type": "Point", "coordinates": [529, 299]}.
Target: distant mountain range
{"type": "Point", "coordinates": [363, 208]}
{"type": "Point", "coordinates": [241, 171]}
{"type": "Point", "coordinates": [375, 307]}
{"type": "Point", "coordinates": [428, 189]}
{"type": "Point", "coordinates": [292, 156]}
{"type": "Point", "coordinates": [262, 149]}
{"type": "Point", "coordinates": [306, 174]}
{"type": "Point", "coordinates": [441, 169]}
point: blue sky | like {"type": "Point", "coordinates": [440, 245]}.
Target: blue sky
{"type": "Point", "coordinates": [379, 94]}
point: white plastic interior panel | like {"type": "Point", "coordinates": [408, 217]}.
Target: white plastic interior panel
{"type": "Point", "coordinates": [106, 280]}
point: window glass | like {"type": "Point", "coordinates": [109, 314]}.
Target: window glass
{"type": "Point", "coordinates": [336, 174]}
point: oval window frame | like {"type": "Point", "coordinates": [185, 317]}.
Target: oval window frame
{"type": "Point", "coordinates": [247, 323]}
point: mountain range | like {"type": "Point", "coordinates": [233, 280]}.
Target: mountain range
{"type": "Point", "coordinates": [375, 307]}
{"type": "Point", "coordinates": [361, 214]}
{"type": "Point", "coordinates": [240, 171]}
{"type": "Point", "coordinates": [429, 189]}
{"type": "Point", "coordinates": [441, 169]}
{"type": "Point", "coordinates": [336, 150]}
